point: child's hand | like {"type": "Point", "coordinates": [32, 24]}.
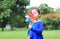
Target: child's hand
{"type": "Point", "coordinates": [28, 37]}
{"type": "Point", "coordinates": [29, 26]}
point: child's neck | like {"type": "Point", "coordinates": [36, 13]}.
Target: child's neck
{"type": "Point", "coordinates": [36, 20]}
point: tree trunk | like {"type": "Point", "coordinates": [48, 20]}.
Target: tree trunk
{"type": "Point", "coordinates": [12, 28]}
{"type": "Point", "coordinates": [2, 29]}
{"type": "Point", "coordinates": [2, 26]}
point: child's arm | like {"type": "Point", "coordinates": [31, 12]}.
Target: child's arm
{"type": "Point", "coordinates": [38, 30]}
{"type": "Point", "coordinates": [29, 31]}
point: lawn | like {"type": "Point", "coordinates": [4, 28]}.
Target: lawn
{"type": "Point", "coordinates": [22, 34]}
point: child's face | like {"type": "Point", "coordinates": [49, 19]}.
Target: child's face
{"type": "Point", "coordinates": [36, 14]}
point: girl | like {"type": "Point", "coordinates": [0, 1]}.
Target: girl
{"type": "Point", "coordinates": [36, 27]}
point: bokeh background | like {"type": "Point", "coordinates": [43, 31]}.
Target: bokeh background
{"type": "Point", "coordinates": [12, 18]}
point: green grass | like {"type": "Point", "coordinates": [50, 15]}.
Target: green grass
{"type": "Point", "coordinates": [52, 34]}
{"type": "Point", "coordinates": [22, 34]}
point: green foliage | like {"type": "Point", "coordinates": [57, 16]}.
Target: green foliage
{"type": "Point", "coordinates": [10, 13]}
{"type": "Point", "coordinates": [5, 8]}
{"type": "Point", "coordinates": [5, 11]}
{"type": "Point", "coordinates": [44, 8]}
{"type": "Point", "coordinates": [18, 14]}
{"type": "Point", "coordinates": [51, 24]}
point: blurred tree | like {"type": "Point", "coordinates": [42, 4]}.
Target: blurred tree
{"type": "Point", "coordinates": [12, 11]}
{"type": "Point", "coordinates": [58, 10]}
{"type": "Point", "coordinates": [19, 10]}
{"type": "Point", "coordinates": [5, 12]}
{"type": "Point", "coordinates": [51, 21]}
{"type": "Point", "coordinates": [44, 8]}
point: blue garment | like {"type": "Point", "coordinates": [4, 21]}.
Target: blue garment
{"type": "Point", "coordinates": [36, 31]}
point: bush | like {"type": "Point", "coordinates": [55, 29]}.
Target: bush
{"type": "Point", "coordinates": [51, 21]}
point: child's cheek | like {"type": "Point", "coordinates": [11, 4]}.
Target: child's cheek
{"type": "Point", "coordinates": [35, 15]}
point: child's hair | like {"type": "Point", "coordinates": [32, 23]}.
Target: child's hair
{"type": "Point", "coordinates": [38, 10]}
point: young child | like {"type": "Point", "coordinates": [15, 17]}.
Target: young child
{"type": "Point", "coordinates": [35, 27]}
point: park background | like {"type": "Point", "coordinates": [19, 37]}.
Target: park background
{"type": "Point", "coordinates": [12, 18]}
